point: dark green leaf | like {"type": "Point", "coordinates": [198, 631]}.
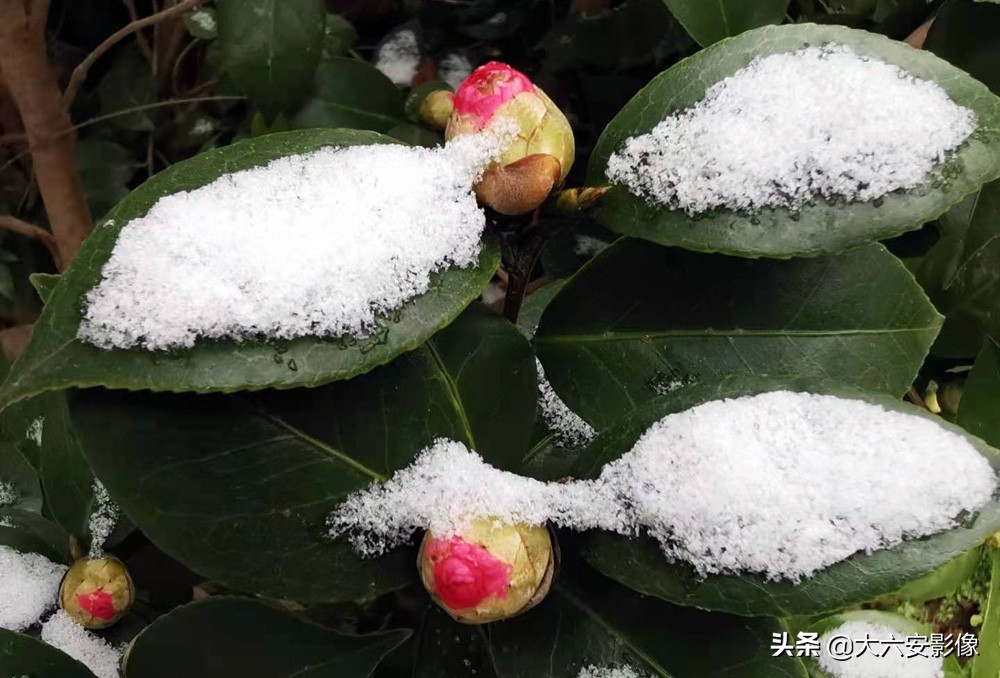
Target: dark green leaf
{"type": "Point", "coordinates": [709, 21]}
{"type": "Point", "coordinates": [641, 319]}
{"type": "Point", "coordinates": [105, 170]}
{"type": "Point", "coordinates": [251, 639]}
{"type": "Point", "coordinates": [961, 273]}
{"type": "Point", "coordinates": [44, 283]}
{"type": "Point", "coordinates": [535, 305]}
{"type": "Point", "coordinates": [980, 405]}
{"type": "Point", "coordinates": [29, 532]}
{"type": "Point", "coordinates": [640, 564]}
{"type": "Point", "coordinates": [818, 227]}
{"type": "Point", "coordinates": [588, 620]}
{"type": "Point", "coordinates": [56, 359]}
{"type": "Point", "coordinates": [415, 135]}
{"type": "Point", "coordinates": [63, 471]}
{"type": "Point", "coordinates": [128, 84]}
{"type": "Point", "coordinates": [339, 37]}
{"type": "Point", "coordinates": [987, 664]}
{"type": "Point", "coordinates": [353, 94]}
{"type": "Point", "coordinates": [269, 49]}
{"type": "Point", "coordinates": [17, 473]}
{"type": "Point", "coordinates": [238, 488]}
{"type": "Point", "coordinates": [968, 35]}
{"type": "Point", "coordinates": [942, 581]}
{"type": "Point", "coordinates": [22, 655]}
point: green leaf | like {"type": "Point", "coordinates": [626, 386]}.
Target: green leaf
{"type": "Point", "coordinates": [961, 272]}
{"type": "Point", "coordinates": [641, 319]}
{"type": "Point", "coordinates": [977, 412]}
{"type": "Point", "coordinates": [105, 170]}
{"type": "Point", "coordinates": [640, 564]}
{"type": "Point", "coordinates": [44, 283]}
{"type": "Point", "coordinates": [269, 49]}
{"type": "Point", "coordinates": [904, 628]}
{"type": "Point", "coordinates": [339, 38]}
{"type": "Point", "coordinates": [56, 359]}
{"type": "Point", "coordinates": [251, 639]}
{"type": "Point", "coordinates": [16, 472]}
{"type": "Point", "coordinates": [534, 306]}
{"type": "Point", "coordinates": [589, 620]}
{"type": "Point", "coordinates": [29, 532]}
{"type": "Point", "coordinates": [942, 581]}
{"type": "Point", "coordinates": [819, 227]}
{"type": "Point", "coordinates": [201, 23]}
{"type": "Point", "coordinates": [987, 664]}
{"type": "Point", "coordinates": [22, 655]}
{"type": "Point", "coordinates": [63, 470]}
{"type": "Point", "coordinates": [968, 35]}
{"type": "Point", "coordinates": [239, 488]}
{"type": "Point", "coordinates": [128, 84]}
{"type": "Point", "coordinates": [353, 94]}
{"type": "Point", "coordinates": [709, 21]}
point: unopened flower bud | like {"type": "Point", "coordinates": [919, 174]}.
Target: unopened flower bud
{"type": "Point", "coordinates": [96, 592]}
{"type": "Point", "coordinates": [489, 572]}
{"type": "Point", "coordinates": [436, 108]}
{"type": "Point", "coordinates": [496, 94]}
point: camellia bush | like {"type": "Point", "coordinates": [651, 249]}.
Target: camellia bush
{"type": "Point", "coordinates": [506, 339]}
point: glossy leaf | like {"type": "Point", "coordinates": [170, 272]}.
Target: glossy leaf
{"type": "Point", "coordinates": [63, 470]}
{"type": "Point", "coordinates": [709, 21]}
{"type": "Point", "coordinates": [354, 94]}
{"type": "Point", "coordinates": [641, 319]}
{"type": "Point", "coordinates": [967, 34]}
{"type": "Point", "coordinates": [29, 532]}
{"type": "Point", "coordinates": [961, 272]}
{"type": "Point", "coordinates": [588, 620]}
{"type": "Point", "coordinates": [942, 581]}
{"type": "Point", "coordinates": [56, 359]}
{"type": "Point", "coordinates": [820, 227]}
{"type": "Point", "coordinates": [979, 409]}
{"type": "Point", "coordinates": [239, 488]}
{"type": "Point", "coordinates": [987, 664]}
{"type": "Point", "coordinates": [17, 473]}
{"type": "Point", "coordinates": [44, 283]}
{"type": "Point", "coordinates": [251, 639]}
{"type": "Point", "coordinates": [640, 564]}
{"type": "Point", "coordinates": [22, 655]}
{"type": "Point", "coordinates": [269, 50]}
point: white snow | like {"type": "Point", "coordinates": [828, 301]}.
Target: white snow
{"type": "Point", "coordinates": [34, 431]}
{"type": "Point", "coordinates": [399, 58]}
{"type": "Point", "coordinates": [611, 672]}
{"type": "Point", "coordinates": [788, 128]}
{"type": "Point", "coordinates": [102, 520]}
{"type": "Point", "coordinates": [454, 68]}
{"type": "Point", "coordinates": [8, 495]}
{"type": "Point", "coordinates": [29, 587]}
{"type": "Point", "coordinates": [567, 427]}
{"type": "Point", "coordinates": [782, 484]}
{"type": "Point", "coordinates": [319, 244]}
{"type": "Point", "coordinates": [878, 660]}
{"type": "Point", "coordinates": [62, 633]}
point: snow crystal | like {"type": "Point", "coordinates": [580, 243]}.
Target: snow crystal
{"type": "Point", "coordinates": [102, 520]}
{"type": "Point", "coordinates": [448, 486]}
{"type": "Point", "coordinates": [29, 586]}
{"type": "Point", "coordinates": [8, 494]}
{"type": "Point", "coordinates": [782, 484]}
{"type": "Point", "coordinates": [62, 633]}
{"type": "Point", "coordinates": [454, 68]}
{"type": "Point", "coordinates": [769, 136]}
{"type": "Point", "coordinates": [34, 431]}
{"type": "Point", "coordinates": [785, 484]}
{"type": "Point", "coordinates": [399, 58]}
{"type": "Point", "coordinates": [568, 428]}
{"type": "Point", "coordinates": [611, 672]}
{"type": "Point", "coordinates": [318, 244]}
{"type": "Point", "coordinates": [882, 661]}
{"type": "Point", "coordinates": [588, 245]}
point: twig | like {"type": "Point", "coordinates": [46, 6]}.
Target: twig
{"type": "Point", "coordinates": [915, 398]}
{"type": "Point", "coordinates": [133, 15]}
{"type": "Point", "coordinates": [35, 233]}
{"type": "Point", "coordinates": [80, 72]}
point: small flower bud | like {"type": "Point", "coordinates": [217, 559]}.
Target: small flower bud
{"type": "Point", "coordinates": [436, 108]}
{"type": "Point", "coordinates": [489, 572]}
{"type": "Point", "coordinates": [96, 592]}
{"type": "Point", "coordinates": [496, 93]}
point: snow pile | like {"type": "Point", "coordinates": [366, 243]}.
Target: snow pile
{"type": "Point", "coordinates": [399, 58]}
{"type": "Point", "coordinates": [568, 428]}
{"type": "Point", "coordinates": [782, 484]}
{"type": "Point", "coordinates": [29, 587]}
{"type": "Point", "coordinates": [883, 660]}
{"type": "Point", "coordinates": [62, 633]}
{"type": "Point", "coordinates": [102, 520]}
{"type": "Point", "coordinates": [318, 244]}
{"type": "Point", "coordinates": [454, 68]}
{"type": "Point", "coordinates": [8, 495]}
{"type": "Point", "coordinates": [769, 136]}
{"type": "Point", "coordinates": [447, 487]}
{"type": "Point", "coordinates": [611, 672]}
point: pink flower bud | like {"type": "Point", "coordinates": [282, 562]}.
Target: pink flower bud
{"type": "Point", "coordinates": [540, 154]}
{"type": "Point", "coordinates": [488, 573]}
{"type": "Point", "coordinates": [96, 592]}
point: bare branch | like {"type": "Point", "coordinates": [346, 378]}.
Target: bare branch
{"type": "Point", "coordinates": [80, 72]}
{"type": "Point", "coordinates": [35, 233]}
{"type": "Point", "coordinates": [133, 15]}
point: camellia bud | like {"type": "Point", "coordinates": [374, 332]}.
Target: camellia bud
{"type": "Point", "coordinates": [489, 572]}
{"type": "Point", "coordinates": [96, 592]}
{"type": "Point", "coordinates": [436, 108]}
{"type": "Point", "coordinates": [541, 153]}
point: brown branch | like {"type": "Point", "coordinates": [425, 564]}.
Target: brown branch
{"type": "Point", "coordinates": [13, 340]}
{"type": "Point", "coordinates": [33, 87]}
{"type": "Point", "coordinates": [80, 72]}
{"type": "Point", "coordinates": [35, 233]}
{"type": "Point", "coordinates": [143, 42]}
